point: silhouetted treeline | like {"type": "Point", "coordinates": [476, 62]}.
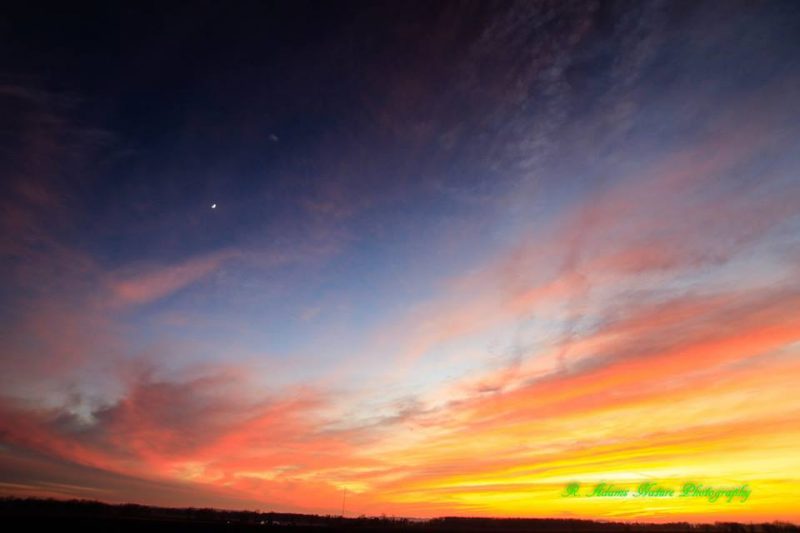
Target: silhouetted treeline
{"type": "Point", "coordinates": [17, 514]}
{"type": "Point", "coordinates": [461, 524]}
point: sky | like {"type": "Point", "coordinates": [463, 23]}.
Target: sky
{"type": "Point", "coordinates": [406, 258]}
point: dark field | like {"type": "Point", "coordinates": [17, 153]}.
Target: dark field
{"type": "Point", "coordinates": [53, 515]}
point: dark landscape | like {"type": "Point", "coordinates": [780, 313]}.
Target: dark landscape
{"type": "Point", "coordinates": [83, 515]}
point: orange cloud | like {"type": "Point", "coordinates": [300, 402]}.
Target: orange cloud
{"type": "Point", "coordinates": [715, 405]}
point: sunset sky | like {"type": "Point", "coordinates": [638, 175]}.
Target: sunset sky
{"type": "Point", "coordinates": [460, 255]}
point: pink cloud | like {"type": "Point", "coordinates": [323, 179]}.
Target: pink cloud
{"type": "Point", "coordinates": [153, 283]}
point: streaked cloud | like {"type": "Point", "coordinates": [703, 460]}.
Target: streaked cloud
{"type": "Point", "coordinates": [561, 248]}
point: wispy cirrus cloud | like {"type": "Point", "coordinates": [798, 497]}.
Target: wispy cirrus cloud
{"type": "Point", "coordinates": [148, 284]}
{"type": "Point", "coordinates": [527, 260]}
